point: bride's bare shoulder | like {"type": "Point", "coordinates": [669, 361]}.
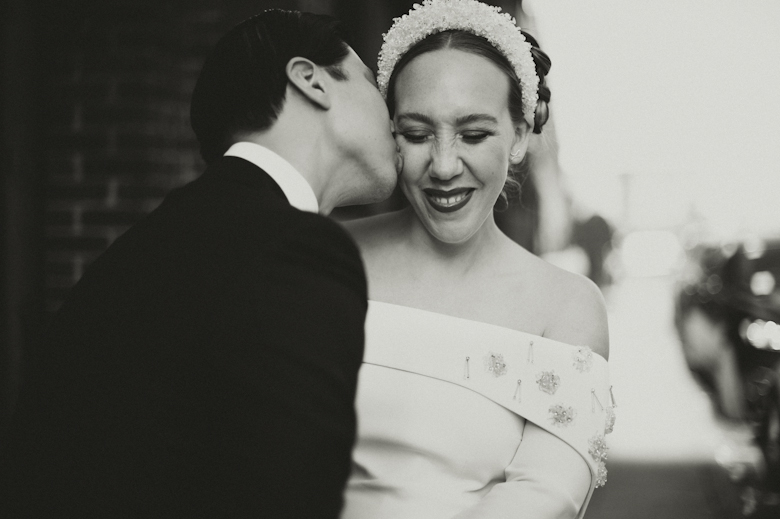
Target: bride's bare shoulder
{"type": "Point", "coordinates": [576, 309]}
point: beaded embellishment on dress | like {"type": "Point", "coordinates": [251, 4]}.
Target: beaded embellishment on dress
{"type": "Point", "coordinates": [495, 365]}
{"type": "Point", "coordinates": [610, 422]}
{"type": "Point", "coordinates": [548, 382]}
{"type": "Point", "coordinates": [583, 359]}
{"type": "Point", "coordinates": [598, 451]}
{"type": "Point", "coordinates": [561, 415]}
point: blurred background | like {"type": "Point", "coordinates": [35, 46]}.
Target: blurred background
{"type": "Point", "coordinates": [658, 178]}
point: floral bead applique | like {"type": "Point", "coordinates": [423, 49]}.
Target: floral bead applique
{"type": "Point", "coordinates": [601, 474]}
{"type": "Point", "coordinates": [597, 448]}
{"type": "Point", "coordinates": [495, 365]}
{"type": "Point", "coordinates": [610, 422]}
{"type": "Point", "coordinates": [583, 359]}
{"type": "Point", "coordinates": [598, 451]}
{"type": "Point", "coordinates": [548, 382]}
{"type": "Point", "coordinates": [561, 415]}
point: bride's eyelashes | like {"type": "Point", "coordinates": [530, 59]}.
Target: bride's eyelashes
{"type": "Point", "coordinates": [415, 137]}
{"type": "Point", "coordinates": [475, 137]}
{"type": "Point", "coordinates": [469, 137]}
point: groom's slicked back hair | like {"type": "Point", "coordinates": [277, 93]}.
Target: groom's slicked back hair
{"type": "Point", "coordinates": [242, 85]}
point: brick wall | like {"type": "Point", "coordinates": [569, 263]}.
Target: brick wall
{"type": "Point", "coordinates": [116, 135]}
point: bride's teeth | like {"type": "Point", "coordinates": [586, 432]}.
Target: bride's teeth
{"type": "Point", "coordinates": [449, 201]}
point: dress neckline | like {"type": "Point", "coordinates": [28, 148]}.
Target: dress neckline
{"type": "Point", "coordinates": [472, 321]}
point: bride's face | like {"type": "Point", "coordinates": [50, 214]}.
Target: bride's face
{"type": "Point", "coordinates": [455, 132]}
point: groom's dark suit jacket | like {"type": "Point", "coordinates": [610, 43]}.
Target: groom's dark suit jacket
{"type": "Point", "coordinates": [205, 365]}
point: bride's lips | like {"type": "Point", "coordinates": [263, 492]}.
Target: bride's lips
{"type": "Point", "coordinates": [448, 201]}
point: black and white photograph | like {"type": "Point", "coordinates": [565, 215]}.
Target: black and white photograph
{"type": "Point", "coordinates": [390, 259]}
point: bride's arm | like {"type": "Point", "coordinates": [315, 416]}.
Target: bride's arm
{"type": "Point", "coordinates": [546, 479]}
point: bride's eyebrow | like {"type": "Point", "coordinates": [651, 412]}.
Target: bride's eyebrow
{"type": "Point", "coordinates": [460, 121]}
{"type": "Point", "coordinates": [415, 117]}
{"type": "Point", "coordinates": [475, 118]}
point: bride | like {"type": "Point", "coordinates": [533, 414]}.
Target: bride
{"type": "Point", "coordinates": [484, 389]}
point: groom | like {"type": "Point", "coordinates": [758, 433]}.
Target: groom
{"type": "Point", "coordinates": [206, 363]}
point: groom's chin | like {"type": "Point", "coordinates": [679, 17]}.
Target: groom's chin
{"type": "Point", "coordinates": [383, 189]}
{"type": "Point", "coordinates": [379, 191]}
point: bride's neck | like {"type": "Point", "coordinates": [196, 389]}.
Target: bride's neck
{"type": "Point", "coordinates": [459, 257]}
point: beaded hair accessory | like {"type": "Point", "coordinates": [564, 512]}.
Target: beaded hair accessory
{"type": "Point", "coordinates": [434, 16]}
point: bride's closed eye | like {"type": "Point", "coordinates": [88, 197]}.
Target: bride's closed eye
{"type": "Point", "coordinates": [415, 137]}
{"type": "Point", "coordinates": [469, 137]}
{"type": "Point", "coordinates": [475, 137]}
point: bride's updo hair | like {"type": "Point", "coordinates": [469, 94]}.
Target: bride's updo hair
{"type": "Point", "coordinates": [468, 42]}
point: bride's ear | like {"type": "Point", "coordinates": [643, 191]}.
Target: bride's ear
{"type": "Point", "coordinates": [520, 144]}
{"type": "Point", "coordinates": [309, 80]}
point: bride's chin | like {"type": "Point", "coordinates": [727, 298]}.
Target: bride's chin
{"type": "Point", "coordinates": [448, 233]}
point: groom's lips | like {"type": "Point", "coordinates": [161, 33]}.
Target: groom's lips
{"type": "Point", "coordinates": [448, 201]}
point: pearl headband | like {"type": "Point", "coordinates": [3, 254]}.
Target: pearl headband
{"type": "Point", "coordinates": [435, 16]}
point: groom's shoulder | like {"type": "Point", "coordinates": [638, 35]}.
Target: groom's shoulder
{"type": "Point", "coordinates": [311, 249]}
{"type": "Point", "coordinates": [317, 234]}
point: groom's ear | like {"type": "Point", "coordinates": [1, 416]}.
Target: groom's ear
{"type": "Point", "coordinates": [310, 80]}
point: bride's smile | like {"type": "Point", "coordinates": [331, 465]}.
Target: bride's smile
{"type": "Point", "coordinates": [448, 201]}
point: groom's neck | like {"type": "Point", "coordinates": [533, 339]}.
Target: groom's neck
{"type": "Point", "coordinates": [307, 149]}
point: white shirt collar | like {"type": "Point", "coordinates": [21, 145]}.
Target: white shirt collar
{"type": "Point", "coordinates": [297, 190]}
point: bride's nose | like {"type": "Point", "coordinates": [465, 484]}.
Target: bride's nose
{"type": "Point", "coordinates": [445, 161]}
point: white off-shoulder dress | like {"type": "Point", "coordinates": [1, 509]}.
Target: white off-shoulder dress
{"type": "Point", "coordinates": [442, 404]}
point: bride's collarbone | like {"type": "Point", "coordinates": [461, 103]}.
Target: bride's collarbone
{"type": "Point", "coordinates": [417, 276]}
{"type": "Point", "coordinates": [529, 320]}
{"type": "Point", "coordinates": [499, 304]}
{"type": "Point", "coordinates": [522, 299]}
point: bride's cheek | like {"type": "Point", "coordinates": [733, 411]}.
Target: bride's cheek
{"type": "Point", "coordinates": [399, 161]}
{"type": "Point", "coordinates": [413, 164]}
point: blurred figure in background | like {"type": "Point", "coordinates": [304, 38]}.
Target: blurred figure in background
{"type": "Point", "coordinates": [594, 236]}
